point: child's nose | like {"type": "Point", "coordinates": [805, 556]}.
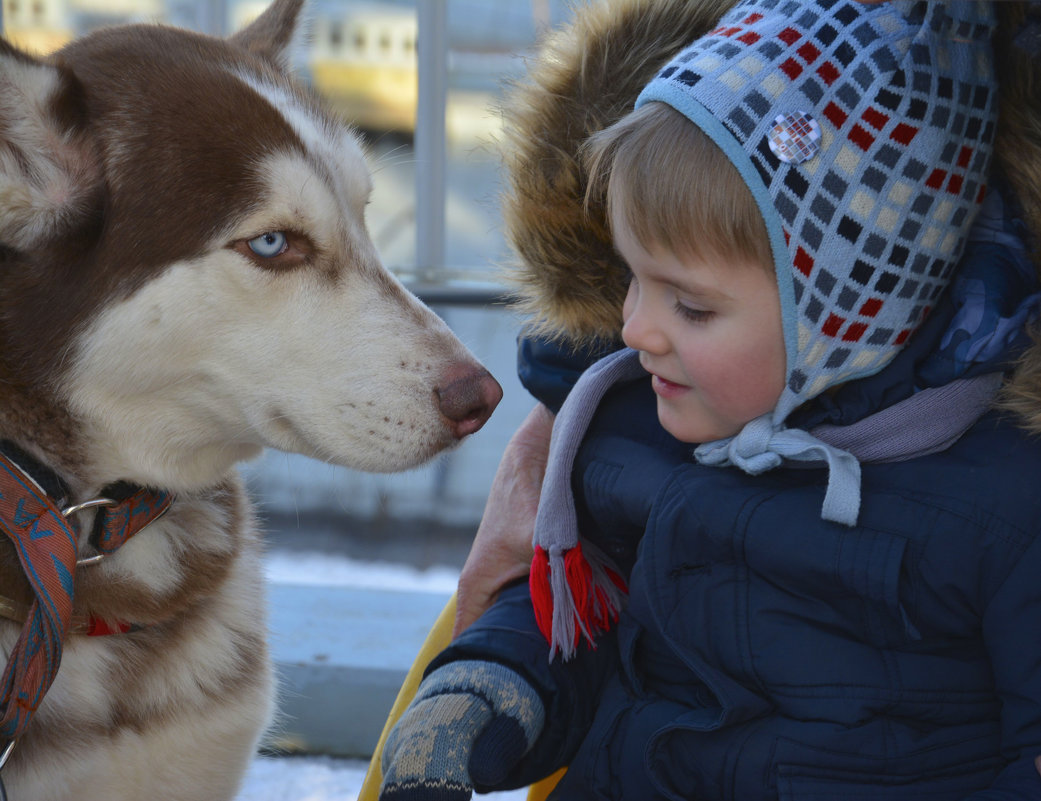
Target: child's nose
{"type": "Point", "coordinates": [641, 329]}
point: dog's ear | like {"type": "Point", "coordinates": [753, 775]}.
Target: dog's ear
{"type": "Point", "coordinates": [275, 33]}
{"type": "Point", "coordinates": [48, 175]}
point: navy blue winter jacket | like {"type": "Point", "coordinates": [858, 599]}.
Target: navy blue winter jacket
{"type": "Point", "coordinates": [767, 654]}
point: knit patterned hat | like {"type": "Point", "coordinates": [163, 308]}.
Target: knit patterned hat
{"type": "Point", "coordinates": [864, 133]}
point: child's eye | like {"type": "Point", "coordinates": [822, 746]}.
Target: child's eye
{"type": "Point", "coordinates": [691, 314]}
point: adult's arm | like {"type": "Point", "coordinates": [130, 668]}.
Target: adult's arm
{"type": "Point", "coordinates": [501, 552]}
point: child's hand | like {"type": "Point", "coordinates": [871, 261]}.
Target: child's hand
{"type": "Point", "coordinates": [469, 723]}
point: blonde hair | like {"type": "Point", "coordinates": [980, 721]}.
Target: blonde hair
{"type": "Point", "coordinates": [673, 187]}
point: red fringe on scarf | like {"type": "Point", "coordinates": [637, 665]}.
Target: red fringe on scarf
{"type": "Point", "coordinates": [593, 610]}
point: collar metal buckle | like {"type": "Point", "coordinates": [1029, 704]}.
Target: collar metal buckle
{"type": "Point", "coordinates": [90, 560]}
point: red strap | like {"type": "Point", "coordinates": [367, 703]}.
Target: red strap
{"type": "Point", "coordinates": [96, 627]}
{"type": "Point", "coordinates": [46, 549]}
{"type": "Point", "coordinates": [120, 522]}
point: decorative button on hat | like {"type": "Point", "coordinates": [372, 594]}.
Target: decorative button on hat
{"type": "Point", "coordinates": [795, 138]}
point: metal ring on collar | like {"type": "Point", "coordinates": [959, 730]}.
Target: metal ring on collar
{"type": "Point", "coordinates": [79, 507]}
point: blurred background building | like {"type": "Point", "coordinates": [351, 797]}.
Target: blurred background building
{"type": "Point", "coordinates": [362, 54]}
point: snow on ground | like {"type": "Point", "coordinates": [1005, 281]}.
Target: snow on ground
{"type": "Point", "coordinates": [314, 568]}
{"type": "Point", "coordinates": [318, 779]}
{"type": "Point", "coordinates": [303, 779]}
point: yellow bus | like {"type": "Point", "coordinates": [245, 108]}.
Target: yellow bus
{"type": "Point", "coordinates": [364, 61]}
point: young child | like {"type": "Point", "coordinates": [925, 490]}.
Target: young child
{"type": "Point", "coordinates": [833, 594]}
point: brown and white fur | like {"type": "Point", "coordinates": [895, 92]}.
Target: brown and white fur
{"type": "Point", "coordinates": [142, 339]}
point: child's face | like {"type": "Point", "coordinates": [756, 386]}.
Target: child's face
{"type": "Point", "coordinates": [709, 333]}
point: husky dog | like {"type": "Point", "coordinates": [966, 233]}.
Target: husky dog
{"type": "Point", "coordinates": [185, 279]}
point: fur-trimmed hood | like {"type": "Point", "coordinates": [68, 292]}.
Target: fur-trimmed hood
{"type": "Point", "coordinates": [587, 75]}
{"type": "Point", "coordinates": [567, 277]}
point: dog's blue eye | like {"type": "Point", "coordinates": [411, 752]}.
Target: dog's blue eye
{"type": "Point", "coordinates": [268, 245]}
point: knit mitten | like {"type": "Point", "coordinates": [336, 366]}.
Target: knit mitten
{"type": "Point", "coordinates": [469, 723]}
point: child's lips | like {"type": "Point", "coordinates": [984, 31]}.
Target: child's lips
{"type": "Point", "coordinates": [667, 389]}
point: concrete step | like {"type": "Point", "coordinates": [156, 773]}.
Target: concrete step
{"type": "Point", "coordinates": [341, 655]}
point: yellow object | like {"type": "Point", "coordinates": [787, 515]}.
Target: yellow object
{"type": "Point", "coordinates": [377, 97]}
{"type": "Point", "coordinates": [39, 41]}
{"type": "Point", "coordinates": [539, 790]}
{"type": "Point", "coordinates": [437, 640]}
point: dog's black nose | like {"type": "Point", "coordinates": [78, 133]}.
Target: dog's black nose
{"type": "Point", "coordinates": [468, 401]}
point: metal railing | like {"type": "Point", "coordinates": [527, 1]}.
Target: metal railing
{"type": "Point", "coordinates": [430, 146]}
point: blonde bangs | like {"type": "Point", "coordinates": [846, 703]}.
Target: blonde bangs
{"type": "Point", "coordinates": [673, 187]}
